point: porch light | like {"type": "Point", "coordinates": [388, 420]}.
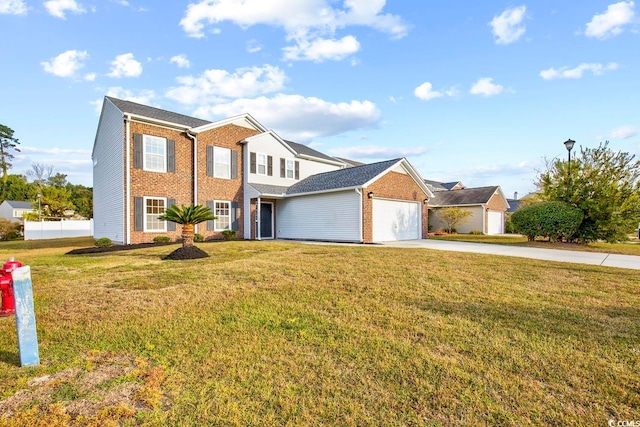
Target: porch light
{"type": "Point", "coordinates": [370, 194]}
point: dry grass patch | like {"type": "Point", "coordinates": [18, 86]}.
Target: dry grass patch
{"type": "Point", "coordinates": [276, 333]}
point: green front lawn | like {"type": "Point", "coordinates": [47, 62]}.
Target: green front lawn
{"type": "Point", "coordinates": [628, 248]}
{"type": "Point", "coordinates": [276, 333]}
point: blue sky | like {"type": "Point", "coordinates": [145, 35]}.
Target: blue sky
{"type": "Point", "coordinates": [480, 92]}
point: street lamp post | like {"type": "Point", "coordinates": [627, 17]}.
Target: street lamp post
{"type": "Point", "coordinates": [39, 209]}
{"type": "Point", "coordinates": [569, 145]}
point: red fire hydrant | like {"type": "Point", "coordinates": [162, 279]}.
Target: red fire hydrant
{"type": "Point", "coordinates": [6, 287]}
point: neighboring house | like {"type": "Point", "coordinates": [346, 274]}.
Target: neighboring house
{"type": "Point", "coordinates": [14, 210]}
{"type": "Point", "coordinates": [486, 204]}
{"type": "Point", "coordinates": [146, 159]}
{"type": "Point", "coordinates": [443, 186]}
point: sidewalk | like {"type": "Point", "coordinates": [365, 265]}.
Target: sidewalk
{"type": "Point", "coordinates": [576, 257]}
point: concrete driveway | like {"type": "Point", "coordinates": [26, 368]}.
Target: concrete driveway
{"type": "Point", "coordinates": [577, 257]}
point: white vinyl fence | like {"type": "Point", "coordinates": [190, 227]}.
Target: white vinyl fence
{"type": "Point", "coordinates": [37, 230]}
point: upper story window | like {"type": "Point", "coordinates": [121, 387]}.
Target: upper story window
{"type": "Point", "coordinates": [155, 152]}
{"type": "Point", "coordinates": [290, 169]}
{"type": "Point", "coordinates": [222, 162]}
{"type": "Point", "coordinates": [262, 164]}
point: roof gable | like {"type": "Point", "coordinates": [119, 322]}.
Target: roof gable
{"type": "Point", "coordinates": [305, 150]}
{"type": "Point", "coordinates": [134, 108]}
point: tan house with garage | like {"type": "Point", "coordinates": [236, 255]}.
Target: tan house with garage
{"type": "Point", "coordinates": [487, 205]}
{"type": "Point", "coordinates": [146, 159]}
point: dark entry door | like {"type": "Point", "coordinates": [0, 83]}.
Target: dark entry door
{"type": "Point", "coordinates": [266, 220]}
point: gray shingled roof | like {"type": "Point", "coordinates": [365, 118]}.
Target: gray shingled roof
{"type": "Point", "coordinates": [269, 189]}
{"type": "Point", "coordinates": [304, 149]}
{"type": "Point", "coordinates": [342, 178]}
{"type": "Point", "coordinates": [349, 163]}
{"type": "Point", "coordinates": [514, 204]}
{"type": "Point", "coordinates": [467, 196]}
{"type": "Point", "coordinates": [156, 113]}
{"type": "Point", "coordinates": [435, 185]}
{"type": "Point", "coordinates": [19, 205]}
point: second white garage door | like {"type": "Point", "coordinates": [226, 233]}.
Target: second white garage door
{"type": "Point", "coordinates": [495, 222]}
{"type": "Point", "coordinates": [396, 220]}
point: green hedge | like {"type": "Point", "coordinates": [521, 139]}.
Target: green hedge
{"type": "Point", "coordinates": [553, 220]}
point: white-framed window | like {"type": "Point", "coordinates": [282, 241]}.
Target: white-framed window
{"type": "Point", "coordinates": [290, 169]}
{"type": "Point", "coordinates": [154, 149]}
{"type": "Point", "coordinates": [222, 162]}
{"type": "Point", "coordinates": [222, 211]}
{"type": "Point", "coordinates": [153, 208]}
{"type": "Point", "coordinates": [261, 164]}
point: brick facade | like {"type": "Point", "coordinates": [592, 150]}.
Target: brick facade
{"type": "Point", "coordinates": [393, 185]}
{"type": "Point", "coordinates": [179, 185]}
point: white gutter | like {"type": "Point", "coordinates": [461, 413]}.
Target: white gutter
{"type": "Point", "coordinates": [359, 192]}
{"type": "Point", "coordinates": [258, 234]}
{"type": "Point", "coordinates": [145, 119]}
{"type": "Point", "coordinates": [195, 172]}
{"type": "Point", "coordinates": [127, 219]}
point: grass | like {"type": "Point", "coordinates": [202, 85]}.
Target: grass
{"type": "Point", "coordinates": [281, 333]}
{"type": "Point", "coordinates": [629, 248]}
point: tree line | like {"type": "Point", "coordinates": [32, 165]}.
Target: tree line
{"type": "Point", "coordinates": [48, 190]}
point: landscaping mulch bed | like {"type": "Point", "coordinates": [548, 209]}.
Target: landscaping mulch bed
{"type": "Point", "coordinates": [115, 248]}
{"type": "Point", "coordinates": [190, 252]}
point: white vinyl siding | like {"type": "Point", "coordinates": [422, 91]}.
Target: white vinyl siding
{"type": "Point", "coordinates": [108, 176]}
{"type": "Point", "coordinates": [153, 208]}
{"type": "Point", "coordinates": [396, 220]}
{"type": "Point", "coordinates": [155, 153]}
{"type": "Point", "coordinates": [330, 216]}
{"type": "Point", "coordinates": [222, 211]}
{"type": "Point", "coordinates": [222, 162]}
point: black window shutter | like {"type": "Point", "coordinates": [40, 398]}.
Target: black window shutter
{"type": "Point", "coordinates": [171, 226]}
{"type": "Point", "coordinates": [234, 164]}
{"type": "Point", "coordinates": [211, 224]}
{"type": "Point", "coordinates": [209, 160]}
{"type": "Point", "coordinates": [137, 150]}
{"type": "Point", "coordinates": [171, 155]}
{"type": "Point", "coordinates": [253, 162]}
{"type": "Point", "coordinates": [269, 165]}
{"type": "Point", "coordinates": [234, 216]}
{"type": "Point", "coordinates": [297, 170]}
{"type": "Point", "coordinates": [283, 168]}
{"type": "Point", "coordinates": [138, 214]}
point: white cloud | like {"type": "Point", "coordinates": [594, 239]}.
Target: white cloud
{"type": "Point", "coordinates": [145, 97]}
{"type": "Point", "coordinates": [120, 2]}
{"type": "Point", "coordinates": [623, 132]}
{"type": "Point", "coordinates": [507, 27]}
{"type": "Point", "coordinates": [577, 72]}
{"type": "Point", "coordinates": [253, 46]}
{"type": "Point", "coordinates": [611, 22]}
{"type": "Point", "coordinates": [66, 64]}
{"type": "Point", "coordinates": [300, 118]}
{"type": "Point", "coordinates": [13, 7]}
{"type": "Point", "coordinates": [217, 85]}
{"type": "Point", "coordinates": [377, 152]}
{"type": "Point", "coordinates": [320, 49]}
{"type": "Point", "coordinates": [181, 61]}
{"type": "Point", "coordinates": [58, 8]}
{"type": "Point", "coordinates": [54, 151]}
{"type": "Point", "coordinates": [486, 87]}
{"type": "Point", "coordinates": [125, 65]}
{"type": "Point", "coordinates": [90, 77]}
{"type": "Point", "coordinates": [309, 23]}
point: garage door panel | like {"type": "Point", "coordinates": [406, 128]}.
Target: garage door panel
{"type": "Point", "coordinates": [396, 220]}
{"type": "Point", "coordinates": [495, 222]}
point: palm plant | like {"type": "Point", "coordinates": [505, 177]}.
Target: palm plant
{"type": "Point", "coordinates": [188, 217]}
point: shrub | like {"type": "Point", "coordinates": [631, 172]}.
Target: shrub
{"type": "Point", "coordinates": [509, 225]}
{"type": "Point", "coordinates": [161, 239]}
{"type": "Point", "coordinates": [229, 234]}
{"type": "Point", "coordinates": [198, 237]}
{"type": "Point", "coordinates": [103, 242]}
{"type": "Point", "coordinates": [476, 232]}
{"type": "Point", "coordinates": [8, 229]}
{"type": "Point", "coordinates": [553, 220]}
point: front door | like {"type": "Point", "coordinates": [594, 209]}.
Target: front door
{"type": "Point", "coordinates": [266, 220]}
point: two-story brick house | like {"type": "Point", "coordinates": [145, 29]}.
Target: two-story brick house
{"type": "Point", "coordinates": [146, 159]}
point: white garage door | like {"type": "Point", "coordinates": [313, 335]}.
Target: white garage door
{"type": "Point", "coordinates": [495, 222]}
{"type": "Point", "coordinates": [395, 220]}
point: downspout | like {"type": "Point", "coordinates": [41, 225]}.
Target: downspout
{"type": "Point", "coordinates": [484, 219]}
{"type": "Point", "coordinates": [127, 121]}
{"type": "Point", "coordinates": [258, 234]}
{"type": "Point", "coordinates": [359, 192]}
{"type": "Point", "coordinates": [195, 171]}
